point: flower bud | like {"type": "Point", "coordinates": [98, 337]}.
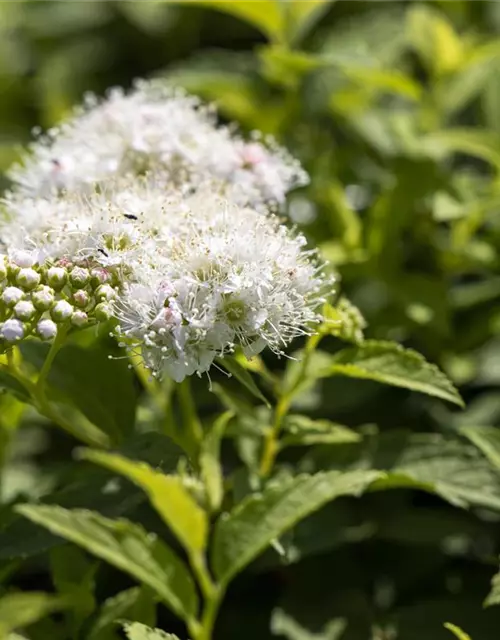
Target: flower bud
{"type": "Point", "coordinates": [22, 259]}
{"type": "Point", "coordinates": [99, 276]}
{"type": "Point", "coordinates": [12, 295]}
{"type": "Point", "coordinates": [103, 312]}
{"type": "Point", "coordinates": [79, 277]}
{"type": "Point", "coordinates": [62, 310]}
{"type": "Point", "coordinates": [105, 292]}
{"type": "Point", "coordinates": [57, 277]}
{"type": "Point", "coordinates": [12, 330]}
{"type": "Point", "coordinates": [79, 318]}
{"type": "Point", "coordinates": [43, 298]}
{"type": "Point", "coordinates": [47, 329]}
{"type": "Point", "coordinates": [81, 298]}
{"type": "Point", "coordinates": [24, 310]}
{"type": "Point", "coordinates": [28, 278]}
{"type": "Point", "coordinates": [3, 268]}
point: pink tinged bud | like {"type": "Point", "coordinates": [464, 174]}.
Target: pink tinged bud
{"type": "Point", "coordinates": [99, 276]}
{"type": "Point", "coordinates": [105, 292]}
{"type": "Point", "coordinates": [47, 329]}
{"type": "Point", "coordinates": [81, 298]}
{"type": "Point", "coordinates": [79, 319]}
{"type": "Point", "coordinates": [24, 310]}
{"type": "Point", "coordinates": [79, 277]}
{"type": "Point", "coordinates": [12, 330]}
{"type": "Point", "coordinates": [28, 278]}
{"type": "Point", "coordinates": [43, 299]}
{"type": "Point", "coordinates": [62, 310]}
{"type": "Point", "coordinates": [57, 277]}
{"type": "Point", "coordinates": [12, 295]}
{"type": "Point", "coordinates": [23, 259]}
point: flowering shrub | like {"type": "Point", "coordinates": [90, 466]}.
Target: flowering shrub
{"type": "Point", "coordinates": [170, 297]}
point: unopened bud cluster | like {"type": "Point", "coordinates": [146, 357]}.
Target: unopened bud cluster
{"type": "Point", "coordinates": [36, 300]}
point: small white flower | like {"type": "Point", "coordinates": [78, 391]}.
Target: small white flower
{"type": "Point", "coordinates": [12, 330]}
{"type": "Point", "coordinates": [12, 295]}
{"type": "Point", "coordinates": [156, 128]}
{"type": "Point", "coordinates": [24, 310]}
{"type": "Point", "coordinates": [62, 310]}
{"type": "Point", "coordinates": [47, 329]}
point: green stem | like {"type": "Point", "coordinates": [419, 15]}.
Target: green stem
{"type": "Point", "coordinates": [271, 446]}
{"type": "Point", "coordinates": [42, 404]}
{"type": "Point", "coordinates": [213, 595]}
{"type": "Point", "coordinates": [54, 350]}
{"type": "Point", "coordinates": [193, 431]}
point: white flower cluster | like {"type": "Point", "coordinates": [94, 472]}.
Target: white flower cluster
{"type": "Point", "coordinates": [188, 269]}
{"type": "Point", "coordinates": [157, 128]}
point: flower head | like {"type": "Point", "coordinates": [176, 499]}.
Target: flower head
{"type": "Point", "coordinates": [156, 128]}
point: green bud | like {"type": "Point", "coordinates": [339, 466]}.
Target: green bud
{"type": "Point", "coordinates": [28, 278]}
{"type": "Point", "coordinates": [103, 312]}
{"type": "Point", "coordinates": [57, 277]}
{"type": "Point", "coordinates": [79, 277]}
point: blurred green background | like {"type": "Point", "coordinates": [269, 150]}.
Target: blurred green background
{"type": "Point", "coordinates": [394, 109]}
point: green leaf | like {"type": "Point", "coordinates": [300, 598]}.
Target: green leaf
{"type": "Point", "coordinates": [457, 632]}
{"type": "Point", "coordinates": [10, 384]}
{"type": "Point", "coordinates": [236, 370]}
{"type": "Point", "coordinates": [130, 604]}
{"type": "Point", "coordinates": [126, 546]}
{"type": "Point", "coordinates": [494, 594]}
{"type": "Point", "coordinates": [487, 439]}
{"type": "Point", "coordinates": [303, 431]}
{"type": "Point", "coordinates": [284, 625]}
{"type": "Point", "coordinates": [137, 631]}
{"type": "Point", "coordinates": [479, 143]}
{"type": "Point", "coordinates": [302, 16]}
{"type": "Point", "coordinates": [435, 40]}
{"type": "Point", "coordinates": [241, 535]}
{"type": "Point", "coordinates": [19, 610]}
{"type": "Point", "coordinates": [167, 495]}
{"type": "Point", "coordinates": [452, 469]}
{"type": "Point", "coordinates": [73, 576]}
{"type": "Point", "coordinates": [101, 388]}
{"type": "Point", "coordinates": [389, 363]}
{"type": "Point", "coordinates": [265, 15]}
{"type": "Point", "coordinates": [210, 466]}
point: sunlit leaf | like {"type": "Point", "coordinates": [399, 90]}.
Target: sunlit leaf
{"type": "Point", "coordinates": [435, 39]}
{"type": "Point", "coordinates": [487, 439]}
{"type": "Point", "coordinates": [126, 546]}
{"type": "Point", "coordinates": [241, 535]}
{"type": "Point", "coordinates": [138, 631]}
{"type": "Point", "coordinates": [390, 363]}
{"type": "Point", "coordinates": [303, 431]}
{"type": "Point", "coordinates": [210, 464]}
{"type": "Point", "coordinates": [19, 610]}
{"type": "Point", "coordinates": [242, 375]}
{"type": "Point", "coordinates": [265, 15]}
{"type": "Point", "coordinates": [130, 604]}
{"type": "Point", "coordinates": [457, 632]}
{"type": "Point", "coordinates": [475, 142]}
{"type": "Point", "coordinates": [167, 495]}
